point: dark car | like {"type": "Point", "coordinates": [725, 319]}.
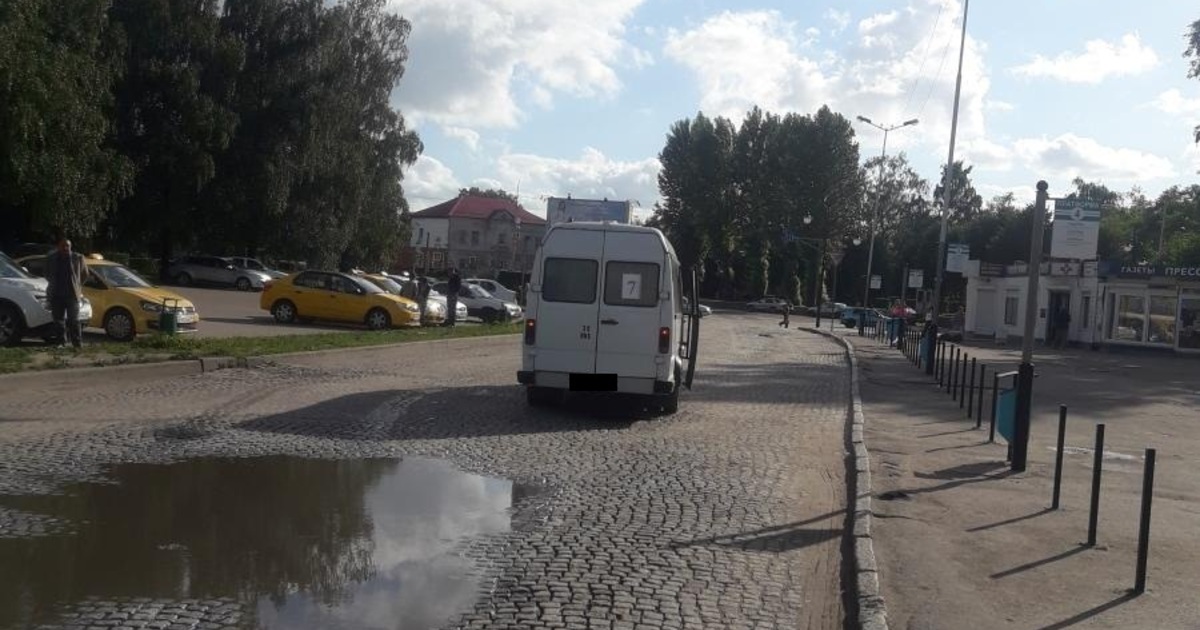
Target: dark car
{"type": "Point", "coordinates": [850, 316]}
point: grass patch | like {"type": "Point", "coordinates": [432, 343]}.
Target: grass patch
{"type": "Point", "coordinates": [149, 348]}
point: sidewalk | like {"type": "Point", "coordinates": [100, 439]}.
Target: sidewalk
{"type": "Point", "coordinates": [963, 543]}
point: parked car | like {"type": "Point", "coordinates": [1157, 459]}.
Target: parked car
{"type": "Point", "coordinates": [123, 303]}
{"type": "Point", "coordinates": [769, 304]}
{"type": "Point", "coordinates": [705, 311]}
{"type": "Point", "coordinates": [254, 264]}
{"type": "Point", "coordinates": [831, 309]}
{"type": "Point", "coordinates": [435, 312]}
{"type": "Point", "coordinates": [338, 297]}
{"type": "Point", "coordinates": [849, 316]}
{"type": "Point", "coordinates": [460, 309]}
{"type": "Point", "coordinates": [217, 271]}
{"type": "Point", "coordinates": [495, 288]}
{"type": "Point", "coordinates": [24, 306]}
{"type": "Point", "coordinates": [482, 304]}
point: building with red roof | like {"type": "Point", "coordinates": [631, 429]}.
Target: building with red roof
{"type": "Point", "coordinates": [479, 235]}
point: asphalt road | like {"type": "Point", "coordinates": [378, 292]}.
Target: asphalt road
{"type": "Point", "coordinates": [728, 514]}
{"type": "Point", "coordinates": [232, 313]}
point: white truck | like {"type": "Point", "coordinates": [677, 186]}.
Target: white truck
{"type": "Point", "coordinates": [606, 313]}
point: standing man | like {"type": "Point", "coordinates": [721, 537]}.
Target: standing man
{"type": "Point", "coordinates": [422, 294]}
{"type": "Point", "coordinates": [453, 286]}
{"type": "Point", "coordinates": [65, 272]}
{"type": "Point", "coordinates": [1062, 327]}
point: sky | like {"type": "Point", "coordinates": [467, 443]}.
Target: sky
{"type": "Point", "coordinates": [556, 97]}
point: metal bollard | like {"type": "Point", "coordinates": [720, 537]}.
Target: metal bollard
{"type": "Point", "coordinates": [958, 358]}
{"type": "Point", "coordinates": [1139, 584]}
{"type": "Point", "coordinates": [1097, 469]}
{"type": "Point", "coordinates": [979, 408]}
{"type": "Point", "coordinates": [1058, 456]}
{"type": "Point", "coordinates": [942, 364]}
{"type": "Point", "coordinates": [995, 394]}
{"type": "Point", "coordinates": [967, 389]}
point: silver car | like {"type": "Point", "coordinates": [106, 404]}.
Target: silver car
{"type": "Point", "coordinates": [215, 271]}
{"type": "Point", "coordinates": [254, 264]}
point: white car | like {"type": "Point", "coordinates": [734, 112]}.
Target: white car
{"type": "Point", "coordinates": [495, 288]}
{"type": "Point", "coordinates": [770, 305]}
{"type": "Point", "coordinates": [482, 304]}
{"type": "Point", "coordinates": [254, 264]}
{"type": "Point", "coordinates": [24, 307]}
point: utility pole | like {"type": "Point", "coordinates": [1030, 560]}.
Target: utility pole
{"type": "Point", "coordinates": [1020, 449]}
{"type": "Point", "coordinates": [941, 255]}
{"type": "Point", "coordinates": [886, 129]}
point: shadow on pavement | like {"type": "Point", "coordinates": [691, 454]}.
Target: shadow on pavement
{"type": "Point", "coordinates": [777, 538]}
{"type": "Point", "coordinates": [1038, 563]}
{"type": "Point", "coordinates": [1088, 614]}
{"type": "Point", "coordinates": [455, 412]}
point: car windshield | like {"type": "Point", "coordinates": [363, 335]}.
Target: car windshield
{"type": "Point", "coordinates": [250, 263]}
{"type": "Point", "coordinates": [118, 276]}
{"type": "Point", "coordinates": [477, 291]}
{"type": "Point", "coordinates": [367, 286]}
{"type": "Point", "coordinates": [388, 285]}
{"type": "Point", "coordinates": [10, 269]}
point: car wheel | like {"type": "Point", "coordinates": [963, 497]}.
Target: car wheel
{"type": "Point", "coordinates": [378, 319]}
{"type": "Point", "coordinates": [184, 279]}
{"type": "Point", "coordinates": [12, 325]}
{"type": "Point", "coordinates": [284, 311]}
{"type": "Point", "coordinates": [243, 284]}
{"type": "Point", "coordinates": [670, 402]}
{"type": "Point", "coordinates": [118, 325]}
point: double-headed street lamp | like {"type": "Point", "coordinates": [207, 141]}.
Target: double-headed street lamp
{"type": "Point", "coordinates": [886, 129]}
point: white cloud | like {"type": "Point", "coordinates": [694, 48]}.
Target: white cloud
{"type": "Point", "coordinates": [891, 75]}
{"type": "Point", "coordinates": [1023, 194]}
{"type": "Point", "coordinates": [875, 22]}
{"type": "Point", "coordinates": [839, 19]}
{"type": "Point", "coordinates": [1099, 61]}
{"type": "Point", "coordinates": [468, 60]}
{"type": "Point", "coordinates": [1174, 102]}
{"type": "Point", "coordinates": [1069, 156]}
{"type": "Point", "coordinates": [428, 182]}
{"type": "Point", "coordinates": [986, 155]}
{"type": "Point", "coordinates": [592, 175]}
{"type": "Point", "coordinates": [1191, 157]}
{"type": "Point", "coordinates": [469, 137]}
{"type": "Point", "coordinates": [994, 105]}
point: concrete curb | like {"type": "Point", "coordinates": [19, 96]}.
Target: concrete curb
{"type": "Point", "coordinates": [268, 359]}
{"type": "Point", "coordinates": [872, 612]}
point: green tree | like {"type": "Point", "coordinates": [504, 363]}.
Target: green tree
{"type": "Point", "coordinates": [965, 202]}
{"type": "Point", "coordinates": [490, 193]}
{"type": "Point", "coordinates": [172, 114]}
{"type": "Point", "coordinates": [1193, 53]}
{"type": "Point", "coordinates": [58, 168]}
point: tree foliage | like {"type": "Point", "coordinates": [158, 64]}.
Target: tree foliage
{"type": "Point", "coordinates": [490, 193]}
{"type": "Point", "coordinates": [255, 126]}
{"type": "Point", "coordinates": [1193, 53]}
{"type": "Point", "coordinates": [965, 202]}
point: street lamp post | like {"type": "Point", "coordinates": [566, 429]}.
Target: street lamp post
{"type": "Point", "coordinates": [886, 129]}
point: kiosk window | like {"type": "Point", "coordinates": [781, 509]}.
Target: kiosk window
{"type": "Point", "coordinates": [569, 280]}
{"type": "Point", "coordinates": [631, 284]}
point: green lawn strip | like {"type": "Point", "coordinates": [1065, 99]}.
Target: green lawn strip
{"type": "Point", "coordinates": [152, 348]}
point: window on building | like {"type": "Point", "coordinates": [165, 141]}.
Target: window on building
{"type": "Point", "coordinates": [1085, 317]}
{"type": "Point", "coordinates": [462, 236]}
{"type": "Point", "coordinates": [1129, 318]}
{"type": "Point", "coordinates": [420, 234]}
{"type": "Point", "coordinates": [631, 284]}
{"type": "Point", "coordinates": [474, 237]}
{"type": "Point", "coordinates": [569, 280]}
{"type": "Point", "coordinates": [501, 238]}
{"type": "Point", "coordinates": [1011, 305]}
{"type": "Point", "coordinates": [1162, 319]}
{"type": "Point", "coordinates": [472, 262]}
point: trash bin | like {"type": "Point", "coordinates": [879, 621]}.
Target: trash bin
{"type": "Point", "coordinates": [168, 317]}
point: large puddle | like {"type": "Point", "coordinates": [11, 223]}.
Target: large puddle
{"type": "Point", "coordinates": [274, 542]}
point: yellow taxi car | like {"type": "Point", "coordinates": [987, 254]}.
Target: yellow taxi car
{"type": "Point", "coordinates": [338, 297]}
{"type": "Point", "coordinates": [123, 304]}
{"type": "Point", "coordinates": [435, 312]}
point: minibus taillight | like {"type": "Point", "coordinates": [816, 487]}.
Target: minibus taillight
{"type": "Point", "coordinates": [664, 340]}
{"type": "Point", "coordinates": [530, 331]}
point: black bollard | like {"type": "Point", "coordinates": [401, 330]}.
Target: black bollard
{"type": "Point", "coordinates": [995, 395]}
{"type": "Point", "coordinates": [1058, 456]}
{"type": "Point", "coordinates": [959, 357]}
{"type": "Point", "coordinates": [1139, 584]}
{"type": "Point", "coordinates": [979, 408]}
{"type": "Point", "coordinates": [967, 389]}
{"type": "Point", "coordinates": [941, 362]}
{"type": "Point", "coordinates": [1097, 466]}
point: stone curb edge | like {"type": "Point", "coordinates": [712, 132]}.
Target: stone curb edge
{"type": "Point", "coordinates": [872, 611]}
{"type": "Point", "coordinates": [184, 367]}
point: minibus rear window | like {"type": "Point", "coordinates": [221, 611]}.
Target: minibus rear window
{"type": "Point", "coordinates": [631, 284]}
{"type": "Point", "coordinates": [569, 280]}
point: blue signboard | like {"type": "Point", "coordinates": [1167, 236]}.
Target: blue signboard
{"type": "Point", "coordinates": [1006, 414]}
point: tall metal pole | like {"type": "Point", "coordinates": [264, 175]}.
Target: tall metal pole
{"type": "Point", "coordinates": [875, 219]}
{"type": "Point", "coordinates": [1025, 371]}
{"type": "Point", "coordinates": [941, 256]}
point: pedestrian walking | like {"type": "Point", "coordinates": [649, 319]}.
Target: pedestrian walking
{"type": "Point", "coordinates": [65, 272]}
{"type": "Point", "coordinates": [453, 286]}
{"type": "Point", "coordinates": [787, 315]}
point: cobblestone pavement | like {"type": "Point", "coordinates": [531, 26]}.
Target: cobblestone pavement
{"type": "Point", "coordinates": [727, 515]}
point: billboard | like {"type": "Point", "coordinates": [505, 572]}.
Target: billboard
{"type": "Point", "coordinates": [957, 255]}
{"type": "Point", "coordinates": [916, 278]}
{"type": "Point", "coordinates": [560, 210]}
{"type": "Point", "coordinates": [1076, 230]}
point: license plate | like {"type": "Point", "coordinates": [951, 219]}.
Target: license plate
{"type": "Point", "coordinates": [593, 382]}
{"type": "Point", "coordinates": [186, 319]}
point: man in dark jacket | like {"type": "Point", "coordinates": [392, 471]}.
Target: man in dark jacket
{"type": "Point", "coordinates": [453, 286]}
{"type": "Point", "coordinates": [65, 273]}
